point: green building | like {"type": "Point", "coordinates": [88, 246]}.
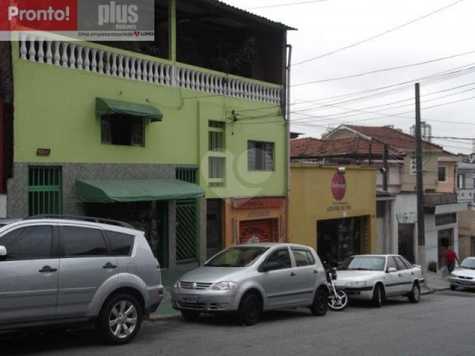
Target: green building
{"type": "Point", "coordinates": [184, 137]}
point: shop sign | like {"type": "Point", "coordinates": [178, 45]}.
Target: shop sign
{"type": "Point", "coordinates": [406, 217]}
{"type": "Point", "coordinates": [259, 203]}
{"type": "Point", "coordinates": [338, 186]}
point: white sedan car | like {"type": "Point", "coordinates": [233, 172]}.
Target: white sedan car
{"type": "Point", "coordinates": [463, 276]}
{"type": "Point", "coordinates": [375, 277]}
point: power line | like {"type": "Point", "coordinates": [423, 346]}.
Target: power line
{"type": "Point", "coordinates": [453, 138]}
{"type": "Point", "coordinates": [394, 87]}
{"type": "Point", "coordinates": [399, 115]}
{"type": "Point", "coordinates": [388, 69]}
{"type": "Point", "coordinates": [381, 90]}
{"type": "Point", "coordinates": [288, 4]}
{"type": "Point", "coordinates": [351, 111]}
{"type": "Point", "coordinates": [381, 34]}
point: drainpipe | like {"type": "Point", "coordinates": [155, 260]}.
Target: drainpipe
{"type": "Point", "coordinates": [287, 123]}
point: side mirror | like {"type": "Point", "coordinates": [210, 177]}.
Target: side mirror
{"type": "Point", "coordinates": [3, 253]}
{"type": "Point", "coordinates": [269, 266]}
{"type": "Point", "coordinates": [392, 270]}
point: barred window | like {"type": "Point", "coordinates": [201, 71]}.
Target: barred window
{"type": "Point", "coordinates": [216, 136]}
{"type": "Point", "coordinates": [217, 167]}
{"type": "Point", "coordinates": [260, 156]}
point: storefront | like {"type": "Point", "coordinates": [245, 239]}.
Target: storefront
{"type": "Point", "coordinates": [249, 220]}
{"type": "Point", "coordinates": [167, 210]}
{"type": "Point", "coordinates": [333, 209]}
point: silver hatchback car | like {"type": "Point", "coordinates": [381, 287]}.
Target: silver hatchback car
{"type": "Point", "coordinates": [57, 271]}
{"type": "Point", "coordinates": [250, 279]}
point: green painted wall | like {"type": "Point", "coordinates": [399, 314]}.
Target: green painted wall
{"type": "Point", "coordinates": [55, 108]}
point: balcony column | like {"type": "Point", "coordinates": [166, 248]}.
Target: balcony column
{"type": "Point", "coordinates": [172, 39]}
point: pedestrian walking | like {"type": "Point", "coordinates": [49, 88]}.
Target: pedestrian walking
{"type": "Point", "coordinates": [450, 259]}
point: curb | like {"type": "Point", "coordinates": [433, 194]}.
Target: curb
{"type": "Point", "coordinates": [162, 317]}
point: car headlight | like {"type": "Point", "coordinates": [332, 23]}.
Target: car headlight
{"type": "Point", "coordinates": [224, 286]}
{"type": "Point", "coordinates": [177, 284]}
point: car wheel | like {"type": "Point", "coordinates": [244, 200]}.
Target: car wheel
{"type": "Point", "coordinates": [453, 287]}
{"type": "Point", "coordinates": [190, 315]}
{"type": "Point", "coordinates": [415, 294]}
{"type": "Point", "coordinates": [378, 296]}
{"type": "Point", "coordinates": [320, 302]}
{"type": "Point", "coordinates": [250, 309]}
{"type": "Point", "coordinates": [120, 319]}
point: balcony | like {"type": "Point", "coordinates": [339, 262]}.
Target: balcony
{"type": "Point", "coordinates": [103, 60]}
{"type": "Point", "coordinates": [466, 195]}
{"type": "Point", "coordinates": [431, 200]}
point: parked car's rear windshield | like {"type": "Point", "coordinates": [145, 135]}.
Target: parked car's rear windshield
{"type": "Point", "coordinates": [236, 257]}
{"type": "Point", "coordinates": [365, 263]}
{"type": "Point", "coordinates": [468, 263]}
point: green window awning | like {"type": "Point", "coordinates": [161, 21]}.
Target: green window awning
{"type": "Point", "coordinates": [138, 111]}
{"type": "Point", "coordinates": [136, 190]}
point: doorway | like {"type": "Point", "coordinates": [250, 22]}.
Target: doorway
{"type": "Point", "coordinates": [256, 231]}
{"type": "Point", "coordinates": [338, 239]}
{"type": "Point", "coordinates": [406, 241]}
{"type": "Point", "coordinates": [214, 226]}
{"type": "Point", "coordinates": [445, 239]}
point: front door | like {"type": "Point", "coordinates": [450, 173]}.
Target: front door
{"type": "Point", "coordinates": [29, 275]}
{"type": "Point", "coordinates": [278, 283]}
{"type": "Point", "coordinates": [406, 241]}
{"type": "Point", "coordinates": [85, 266]}
{"type": "Point", "coordinates": [214, 226]}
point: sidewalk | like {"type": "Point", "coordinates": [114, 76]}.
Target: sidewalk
{"type": "Point", "coordinates": [434, 282]}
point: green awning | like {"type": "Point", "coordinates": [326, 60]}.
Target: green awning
{"type": "Point", "coordinates": [136, 190]}
{"type": "Point", "coordinates": [139, 111]}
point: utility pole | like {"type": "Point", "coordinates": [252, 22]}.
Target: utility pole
{"type": "Point", "coordinates": [419, 182]}
{"type": "Point", "coordinates": [385, 168]}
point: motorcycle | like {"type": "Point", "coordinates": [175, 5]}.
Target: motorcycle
{"type": "Point", "coordinates": [337, 299]}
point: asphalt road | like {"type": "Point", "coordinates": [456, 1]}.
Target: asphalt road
{"type": "Point", "coordinates": [441, 324]}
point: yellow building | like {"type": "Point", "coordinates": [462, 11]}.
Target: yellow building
{"type": "Point", "coordinates": [333, 210]}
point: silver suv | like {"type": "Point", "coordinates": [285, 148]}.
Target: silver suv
{"type": "Point", "coordinates": [58, 271]}
{"type": "Point", "coordinates": [250, 279]}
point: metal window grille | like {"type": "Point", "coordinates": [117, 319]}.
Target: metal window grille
{"type": "Point", "coordinates": [187, 231]}
{"type": "Point", "coordinates": [260, 156]}
{"type": "Point", "coordinates": [216, 136]}
{"type": "Point", "coordinates": [187, 174]}
{"type": "Point", "coordinates": [216, 167]}
{"type": "Point", "coordinates": [45, 193]}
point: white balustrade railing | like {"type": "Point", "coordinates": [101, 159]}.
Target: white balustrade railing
{"type": "Point", "coordinates": [79, 56]}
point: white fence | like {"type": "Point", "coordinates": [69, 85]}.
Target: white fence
{"type": "Point", "coordinates": [79, 56]}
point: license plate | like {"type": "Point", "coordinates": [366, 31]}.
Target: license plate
{"type": "Point", "coordinates": [190, 299]}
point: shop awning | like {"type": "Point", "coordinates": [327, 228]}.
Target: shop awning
{"type": "Point", "coordinates": [136, 190]}
{"type": "Point", "coordinates": [134, 110]}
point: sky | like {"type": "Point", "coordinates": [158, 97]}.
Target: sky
{"type": "Point", "coordinates": [326, 25]}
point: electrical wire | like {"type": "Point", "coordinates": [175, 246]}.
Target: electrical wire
{"type": "Point", "coordinates": [382, 70]}
{"type": "Point", "coordinates": [288, 4]}
{"type": "Point", "coordinates": [380, 34]}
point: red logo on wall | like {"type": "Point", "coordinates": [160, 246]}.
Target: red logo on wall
{"type": "Point", "coordinates": [338, 186]}
{"type": "Point", "coordinates": [44, 15]}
